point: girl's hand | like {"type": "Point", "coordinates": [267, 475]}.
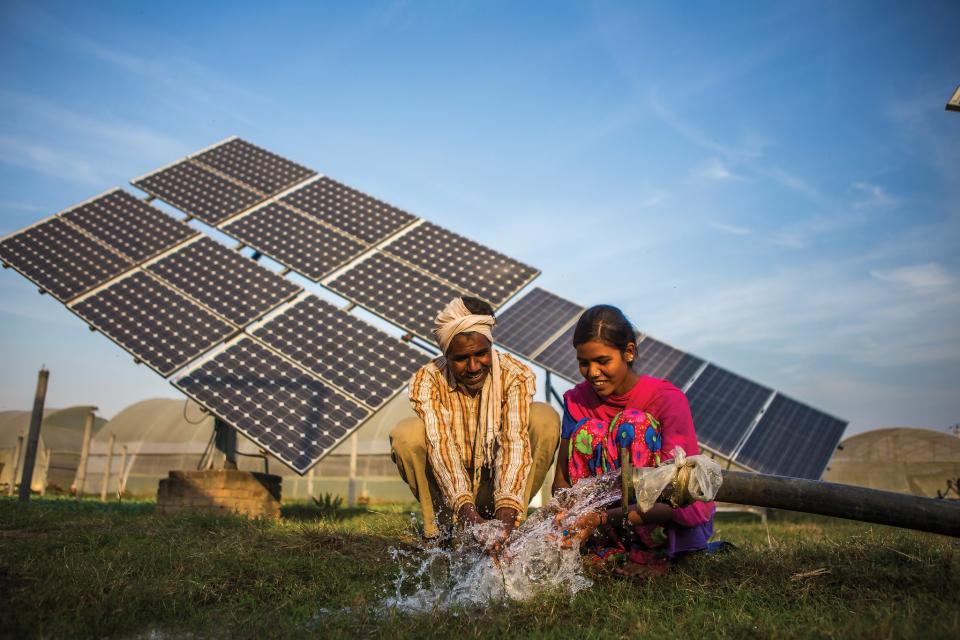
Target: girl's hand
{"type": "Point", "coordinates": [583, 527]}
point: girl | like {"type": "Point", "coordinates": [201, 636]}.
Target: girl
{"type": "Point", "coordinates": [611, 394]}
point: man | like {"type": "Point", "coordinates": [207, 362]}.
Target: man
{"type": "Point", "coordinates": [479, 448]}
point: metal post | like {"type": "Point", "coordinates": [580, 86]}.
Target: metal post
{"type": "Point", "coordinates": [546, 389]}
{"type": "Point", "coordinates": [16, 465]}
{"type": "Point", "coordinates": [352, 484]}
{"type": "Point", "coordinates": [33, 438]}
{"type": "Point", "coordinates": [122, 478]}
{"type": "Point", "coordinates": [81, 478]}
{"type": "Point", "coordinates": [106, 470]}
{"type": "Point", "coordinates": [226, 441]}
{"type": "Point", "coordinates": [47, 453]}
{"type": "Point", "coordinates": [310, 475]}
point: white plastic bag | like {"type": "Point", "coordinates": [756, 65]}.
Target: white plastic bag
{"type": "Point", "coordinates": [703, 483]}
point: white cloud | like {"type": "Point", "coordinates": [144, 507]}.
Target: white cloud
{"type": "Point", "coordinates": [78, 146]}
{"type": "Point", "coordinates": [919, 277]}
{"type": "Point", "coordinates": [30, 155]}
{"type": "Point", "coordinates": [730, 228]}
{"type": "Point", "coordinates": [717, 171]}
{"type": "Point", "coordinates": [872, 195]}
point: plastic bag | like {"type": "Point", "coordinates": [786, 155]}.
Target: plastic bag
{"type": "Point", "coordinates": [703, 483]}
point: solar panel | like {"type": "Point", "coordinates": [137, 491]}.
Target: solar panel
{"type": "Point", "coordinates": [348, 210]}
{"type": "Point", "coordinates": [401, 294]}
{"type": "Point", "coordinates": [294, 240]}
{"type": "Point", "coordinates": [128, 225]}
{"type": "Point", "coordinates": [560, 357]}
{"type": "Point", "coordinates": [531, 321]}
{"type": "Point", "coordinates": [657, 359]}
{"type": "Point", "coordinates": [153, 322]}
{"type": "Point", "coordinates": [276, 404]}
{"type": "Point", "coordinates": [233, 286]}
{"type": "Point", "coordinates": [462, 262]}
{"type": "Point", "coordinates": [792, 439]}
{"type": "Point", "coordinates": [264, 171]}
{"type": "Point", "coordinates": [368, 364]}
{"type": "Point", "coordinates": [60, 259]}
{"type": "Point", "coordinates": [198, 191]}
{"type": "Point", "coordinates": [724, 405]}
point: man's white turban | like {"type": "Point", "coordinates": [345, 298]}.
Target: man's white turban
{"type": "Point", "coordinates": [456, 319]}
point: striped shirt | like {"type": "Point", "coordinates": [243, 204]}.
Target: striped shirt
{"type": "Point", "coordinates": [452, 418]}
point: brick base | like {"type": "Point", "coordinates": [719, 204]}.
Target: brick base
{"type": "Point", "coordinates": [222, 491]}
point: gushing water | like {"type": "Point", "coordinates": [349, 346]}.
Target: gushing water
{"type": "Point", "coordinates": [532, 560]}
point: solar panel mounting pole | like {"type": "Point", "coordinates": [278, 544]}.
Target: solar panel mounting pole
{"type": "Point", "coordinates": [33, 437]}
{"type": "Point", "coordinates": [226, 441]}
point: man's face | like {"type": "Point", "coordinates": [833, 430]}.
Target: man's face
{"type": "Point", "coordinates": [469, 356]}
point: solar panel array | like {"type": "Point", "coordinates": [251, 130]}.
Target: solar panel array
{"type": "Point", "coordinates": [403, 295]}
{"type": "Point", "coordinates": [153, 322]}
{"type": "Point", "coordinates": [199, 192]}
{"type": "Point", "coordinates": [277, 404]}
{"type": "Point", "coordinates": [463, 263]}
{"type": "Point", "coordinates": [365, 362]}
{"type": "Point", "coordinates": [560, 357]}
{"type": "Point", "coordinates": [235, 287]}
{"type": "Point", "coordinates": [60, 259]}
{"type": "Point", "coordinates": [303, 377]}
{"type": "Point", "coordinates": [792, 439]}
{"type": "Point", "coordinates": [346, 209]}
{"type": "Point", "coordinates": [660, 360]}
{"type": "Point", "coordinates": [129, 226]}
{"type": "Point", "coordinates": [724, 406]}
{"type": "Point", "coordinates": [532, 320]}
{"type": "Point", "coordinates": [294, 240]}
{"type": "Point", "coordinates": [258, 168]}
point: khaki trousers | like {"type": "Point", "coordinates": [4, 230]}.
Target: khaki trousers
{"type": "Point", "coordinates": [408, 445]}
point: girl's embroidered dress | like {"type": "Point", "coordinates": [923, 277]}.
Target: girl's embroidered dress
{"type": "Point", "coordinates": [660, 416]}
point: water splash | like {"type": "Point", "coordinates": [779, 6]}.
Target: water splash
{"type": "Point", "coordinates": [532, 560]}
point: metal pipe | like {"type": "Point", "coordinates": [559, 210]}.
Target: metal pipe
{"type": "Point", "coordinates": [841, 501]}
{"type": "Point", "coordinates": [106, 470]}
{"type": "Point", "coordinates": [81, 478]}
{"type": "Point", "coordinates": [33, 437]}
{"type": "Point", "coordinates": [16, 465]}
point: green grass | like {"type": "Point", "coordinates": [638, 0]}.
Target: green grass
{"type": "Point", "coordinates": [117, 570]}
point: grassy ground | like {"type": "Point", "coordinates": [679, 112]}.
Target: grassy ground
{"type": "Point", "coordinates": [117, 570]}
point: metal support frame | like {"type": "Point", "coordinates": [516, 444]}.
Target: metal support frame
{"type": "Point", "coordinates": [225, 439]}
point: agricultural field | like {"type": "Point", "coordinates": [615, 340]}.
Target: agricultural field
{"type": "Point", "coordinates": [117, 570]}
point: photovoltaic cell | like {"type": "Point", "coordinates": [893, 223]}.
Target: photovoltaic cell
{"type": "Point", "coordinates": [153, 322]}
{"type": "Point", "coordinates": [233, 286]}
{"type": "Point", "coordinates": [261, 169]}
{"type": "Point", "coordinates": [348, 210]}
{"type": "Point", "coordinates": [462, 262]}
{"type": "Point", "coordinates": [295, 240]}
{"type": "Point", "coordinates": [561, 358]}
{"type": "Point", "coordinates": [368, 364]}
{"type": "Point", "coordinates": [724, 405]}
{"type": "Point", "coordinates": [657, 359]}
{"type": "Point", "coordinates": [397, 292]}
{"type": "Point", "coordinates": [278, 405]}
{"type": "Point", "coordinates": [199, 192]}
{"type": "Point", "coordinates": [792, 439]}
{"type": "Point", "coordinates": [60, 259]}
{"type": "Point", "coordinates": [532, 320]}
{"type": "Point", "coordinates": [128, 225]}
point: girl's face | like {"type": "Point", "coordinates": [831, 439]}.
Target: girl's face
{"type": "Point", "coordinates": [606, 368]}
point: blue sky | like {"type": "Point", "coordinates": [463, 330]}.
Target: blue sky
{"type": "Point", "coordinates": [771, 186]}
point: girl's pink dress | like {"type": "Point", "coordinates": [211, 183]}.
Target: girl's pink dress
{"type": "Point", "coordinates": [660, 415]}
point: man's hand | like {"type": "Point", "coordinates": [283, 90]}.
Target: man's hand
{"type": "Point", "coordinates": [489, 534]}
